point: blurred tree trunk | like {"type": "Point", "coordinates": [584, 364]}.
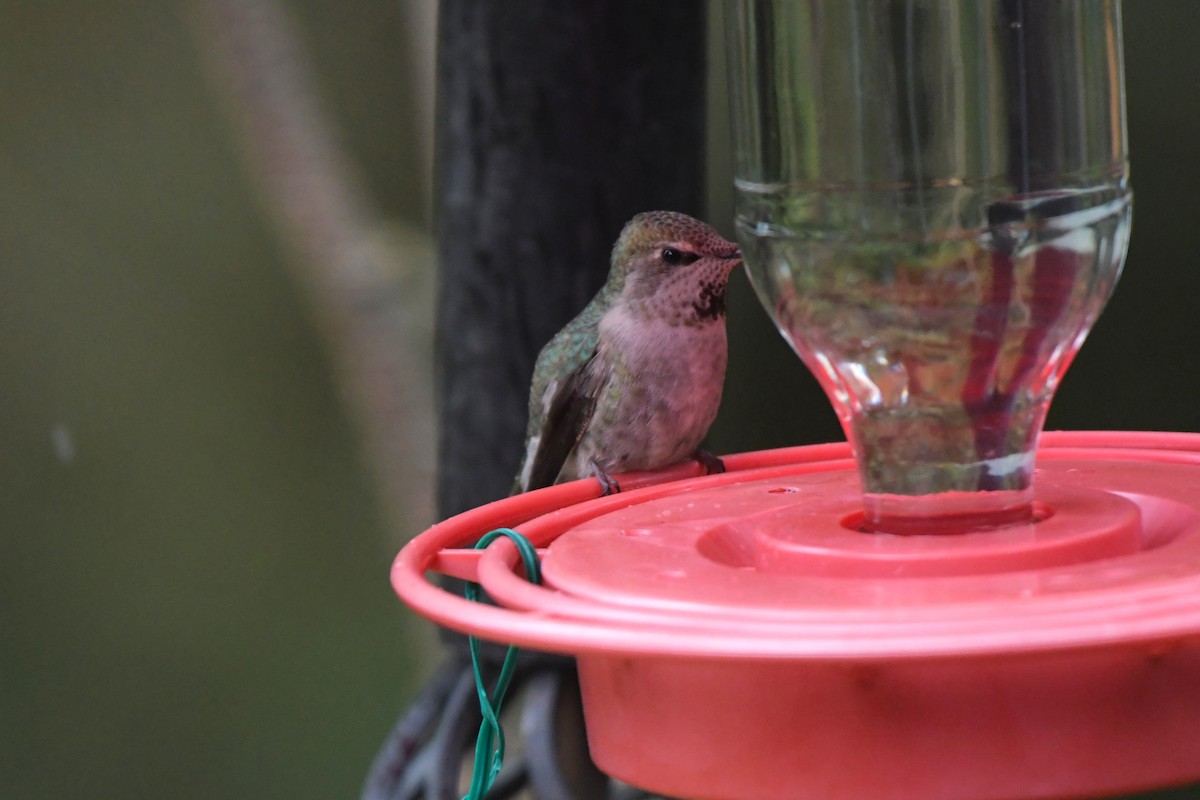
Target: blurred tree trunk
{"type": "Point", "coordinates": [555, 124]}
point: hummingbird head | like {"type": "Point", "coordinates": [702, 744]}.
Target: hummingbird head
{"type": "Point", "coordinates": [669, 264]}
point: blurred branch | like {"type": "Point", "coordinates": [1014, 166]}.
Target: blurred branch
{"type": "Point", "coordinates": [368, 284]}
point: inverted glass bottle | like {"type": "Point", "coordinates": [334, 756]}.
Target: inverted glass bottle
{"type": "Point", "coordinates": [933, 201]}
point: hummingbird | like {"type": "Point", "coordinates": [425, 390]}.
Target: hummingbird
{"type": "Point", "coordinates": [634, 381]}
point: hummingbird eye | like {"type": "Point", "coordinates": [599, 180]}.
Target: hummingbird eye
{"type": "Point", "coordinates": [672, 255]}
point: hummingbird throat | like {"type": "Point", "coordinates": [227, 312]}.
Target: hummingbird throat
{"type": "Point", "coordinates": [711, 303]}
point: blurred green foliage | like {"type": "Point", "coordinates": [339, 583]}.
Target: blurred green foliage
{"type": "Point", "coordinates": [194, 582]}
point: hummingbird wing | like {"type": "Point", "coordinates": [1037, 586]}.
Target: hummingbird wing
{"type": "Point", "coordinates": [569, 411]}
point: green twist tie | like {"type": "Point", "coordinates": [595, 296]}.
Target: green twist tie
{"type": "Point", "coordinates": [489, 745]}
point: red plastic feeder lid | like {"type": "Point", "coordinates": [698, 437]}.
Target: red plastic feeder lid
{"type": "Point", "coordinates": [739, 637]}
{"type": "Point", "coordinates": [765, 562]}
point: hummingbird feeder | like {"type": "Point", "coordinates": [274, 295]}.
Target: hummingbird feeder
{"type": "Point", "coordinates": [933, 204]}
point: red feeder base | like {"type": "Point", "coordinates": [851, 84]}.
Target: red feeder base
{"type": "Point", "coordinates": [739, 637]}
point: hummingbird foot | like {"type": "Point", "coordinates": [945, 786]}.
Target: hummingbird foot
{"type": "Point", "coordinates": [713, 465]}
{"type": "Point", "coordinates": [608, 484]}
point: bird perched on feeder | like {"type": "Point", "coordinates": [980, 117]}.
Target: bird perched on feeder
{"type": "Point", "coordinates": [634, 381]}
